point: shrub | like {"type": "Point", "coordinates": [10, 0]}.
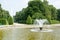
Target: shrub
{"type": "Point", "coordinates": [3, 22]}
{"type": "Point", "coordinates": [29, 20]}
{"type": "Point", "coordinates": [54, 22]}
{"type": "Point", "coordinates": [10, 20]}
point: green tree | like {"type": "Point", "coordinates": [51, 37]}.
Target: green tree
{"type": "Point", "coordinates": [29, 20]}
{"type": "Point", "coordinates": [5, 15]}
{"type": "Point", "coordinates": [36, 9]}
{"type": "Point", "coordinates": [0, 5]}
{"type": "Point", "coordinates": [53, 12]}
{"type": "Point", "coordinates": [3, 21]}
{"type": "Point", "coordinates": [58, 14]}
{"type": "Point", "coordinates": [37, 16]}
{"type": "Point", "coordinates": [10, 20]}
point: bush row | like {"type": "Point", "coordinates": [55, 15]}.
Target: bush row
{"type": "Point", "coordinates": [54, 21]}
{"type": "Point", "coordinates": [8, 21]}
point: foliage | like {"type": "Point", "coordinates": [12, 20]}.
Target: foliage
{"type": "Point", "coordinates": [3, 22]}
{"type": "Point", "coordinates": [37, 9]}
{"type": "Point", "coordinates": [5, 16]}
{"type": "Point", "coordinates": [10, 20]}
{"type": "Point", "coordinates": [58, 14]}
{"type": "Point", "coordinates": [54, 22]}
{"type": "Point", "coordinates": [29, 20]}
{"type": "Point", "coordinates": [53, 12]}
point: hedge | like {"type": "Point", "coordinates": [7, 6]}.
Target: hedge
{"type": "Point", "coordinates": [54, 22]}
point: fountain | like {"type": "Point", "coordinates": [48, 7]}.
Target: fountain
{"type": "Point", "coordinates": [26, 34]}
{"type": "Point", "coordinates": [40, 23]}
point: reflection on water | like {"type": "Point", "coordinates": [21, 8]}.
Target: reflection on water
{"type": "Point", "coordinates": [26, 34]}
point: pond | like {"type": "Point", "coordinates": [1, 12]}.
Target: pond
{"type": "Point", "coordinates": [26, 34]}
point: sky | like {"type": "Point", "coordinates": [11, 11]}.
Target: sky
{"type": "Point", "coordinates": [17, 5]}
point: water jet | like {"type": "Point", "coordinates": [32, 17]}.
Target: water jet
{"type": "Point", "coordinates": [40, 23]}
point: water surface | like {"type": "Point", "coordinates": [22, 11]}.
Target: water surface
{"type": "Point", "coordinates": [26, 34]}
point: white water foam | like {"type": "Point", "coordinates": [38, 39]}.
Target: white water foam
{"type": "Point", "coordinates": [44, 30]}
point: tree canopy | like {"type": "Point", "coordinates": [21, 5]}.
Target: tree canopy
{"type": "Point", "coordinates": [5, 16]}
{"type": "Point", "coordinates": [37, 9]}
